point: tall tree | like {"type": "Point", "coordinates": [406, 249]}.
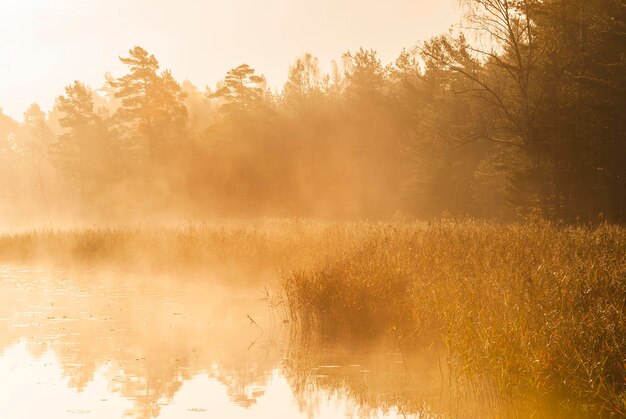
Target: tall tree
{"type": "Point", "coordinates": [152, 113]}
{"type": "Point", "coordinates": [32, 143]}
{"type": "Point", "coordinates": [581, 109]}
{"type": "Point", "coordinates": [85, 149]}
{"type": "Point", "coordinates": [241, 89]}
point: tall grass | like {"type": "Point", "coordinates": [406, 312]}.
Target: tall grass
{"type": "Point", "coordinates": [539, 310]}
{"type": "Point", "coordinates": [273, 244]}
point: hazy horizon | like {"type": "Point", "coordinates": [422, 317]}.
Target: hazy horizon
{"type": "Point", "coordinates": [332, 209]}
{"type": "Point", "coordinates": [63, 41]}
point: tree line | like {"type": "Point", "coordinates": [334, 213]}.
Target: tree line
{"type": "Point", "coordinates": [519, 116]}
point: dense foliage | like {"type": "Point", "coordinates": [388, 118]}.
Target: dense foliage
{"type": "Point", "coordinates": [538, 310]}
{"type": "Point", "coordinates": [522, 116]}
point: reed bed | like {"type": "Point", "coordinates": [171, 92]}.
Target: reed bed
{"type": "Point", "coordinates": [537, 309]}
{"type": "Point", "coordinates": [266, 244]}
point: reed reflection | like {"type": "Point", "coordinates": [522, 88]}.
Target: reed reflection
{"type": "Point", "coordinates": [175, 347]}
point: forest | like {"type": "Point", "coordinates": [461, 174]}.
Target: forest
{"type": "Point", "coordinates": [516, 114]}
{"type": "Point", "coordinates": [437, 236]}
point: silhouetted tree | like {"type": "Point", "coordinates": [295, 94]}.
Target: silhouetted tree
{"type": "Point", "coordinates": [241, 89]}
{"type": "Point", "coordinates": [152, 113]}
{"type": "Point", "coordinates": [85, 150]}
{"type": "Point", "coordinates": [522, 117]}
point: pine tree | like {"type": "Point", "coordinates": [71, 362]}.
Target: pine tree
{"type": "Point", "coordinates": [241, 89]}
{"type": "Point", "coordinates": [152, 115]}
{"type": "Point", "coordinates": [84, 150]}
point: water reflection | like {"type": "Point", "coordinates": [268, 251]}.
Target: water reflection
{"type": "Point", "coordinates": [99, 345]}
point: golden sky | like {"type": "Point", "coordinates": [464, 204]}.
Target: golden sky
{"type": "Point", "coordinates": [46, 44]}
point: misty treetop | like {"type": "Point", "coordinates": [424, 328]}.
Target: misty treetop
{"type": "Point", "coordinates": [531, 124]}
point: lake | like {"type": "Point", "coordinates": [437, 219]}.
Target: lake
{"type": "Point", "coordinates": [106, 344]}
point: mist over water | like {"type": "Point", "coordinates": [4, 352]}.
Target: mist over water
{"type": "Point", "coordinates": [434, 233]}
{"type": "Point", "coordinates": [105, 345]}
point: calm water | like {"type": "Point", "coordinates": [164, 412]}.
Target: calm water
{"type": "Point", "coordinates": [102, 346]}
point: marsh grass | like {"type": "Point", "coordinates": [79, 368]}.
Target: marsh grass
{"type": "Point", "coordinates": [536, 309]}
{"type": "Point", "coordinates": [276, 245]}
{"type": "Point", "coordinates": [539, 310]}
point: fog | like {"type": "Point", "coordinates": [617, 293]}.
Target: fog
{"type": "Point", "coordinates": [437, 232]}
{"type": "Point", "coordinates": [445, 129]}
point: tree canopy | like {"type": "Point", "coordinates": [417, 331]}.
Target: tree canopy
{"type": "Point", "coordinates": [521, 116]}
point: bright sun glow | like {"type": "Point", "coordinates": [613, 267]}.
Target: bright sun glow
{"type": "Point", "coordinates": [47, 44]}
{"type": "Point", "coordinates": [318, 209]}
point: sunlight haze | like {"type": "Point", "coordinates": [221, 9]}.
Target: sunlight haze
{"type": "Point", "coordinates": [47, 44]}
{"type": "Point", "coordinates": [310, 209]}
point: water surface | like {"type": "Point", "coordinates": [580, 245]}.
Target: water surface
{"type": "Point", "coordinates": [106, 345]}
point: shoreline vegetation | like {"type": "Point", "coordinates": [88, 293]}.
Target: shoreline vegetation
{"type": "Point", "coordinates": [507, 130]}
{"type": "Point", "coordinates": [537, 309]}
